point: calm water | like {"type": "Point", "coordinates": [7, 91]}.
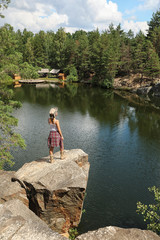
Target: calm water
{"type": "Point", "coordinates": [122, 140]}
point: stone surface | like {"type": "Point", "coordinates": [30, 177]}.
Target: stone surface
{"type": "Point", "coordinates": [10, 190]}
{"type": "Point", "coordinates": [144, 90]}
{"type": "Point", "coordinates": [17, 222]}
{"type": "Point", "coordinates": [115, 233]}
{"type": "Point", "coordinates": [155, 91]}
{"type": "Point", "coordinates": [133, 82]}
{"type": "Point", "coordinates": [56, 190]}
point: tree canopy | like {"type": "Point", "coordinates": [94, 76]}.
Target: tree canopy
{"type": "Point", "coordinates": [102, 55]}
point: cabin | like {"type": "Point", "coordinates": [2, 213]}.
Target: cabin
{"type": "Point", "coordinates": [43, 72]}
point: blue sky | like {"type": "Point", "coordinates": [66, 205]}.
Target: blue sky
{"type": "Point", "coordinates": [127, 5]}
{"type": "Point", "coordinates": [79, 14]}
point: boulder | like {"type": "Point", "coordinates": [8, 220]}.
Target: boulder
{"type": "Point", "coordinates": [144, 90]}
{"type": "Point", "coordinates": [17, 222]}
{"type": "Point", "coordinates": [56, 190]}
{"type": "Point", "coordinates": [155, 91]}
{"type": "Point", "coordinates": [10, 190]}
{"type": "Point", "coordinates": [115, 233]}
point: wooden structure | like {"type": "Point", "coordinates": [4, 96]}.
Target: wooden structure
{"type": "Point", "coordinates": [62, 76]}
{"type": "Point", "coordinates": [31, 81]}
{"type": "Point", "coordinates": [16, 76]}
{"type": "Point", "coordinates": [44, 72]}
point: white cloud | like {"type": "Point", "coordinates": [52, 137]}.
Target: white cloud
{"type": "Point", "coordinates": [42, 17]}
{"type": "Point", "coordinates": [150, 5]}
{"type": "Point", "coordinates": [101, 11]}
{"type": "Point", "coordinates": [71, 14]}
{"type": "Point", "coordinates": [135, 26]}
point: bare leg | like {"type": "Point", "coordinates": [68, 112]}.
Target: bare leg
{"type": "Point", "coordinates": [51, 154]}
{"type": "Point", "coordinates": [51, 151]}
{"type": "Point", "coordinates": [62, 151]}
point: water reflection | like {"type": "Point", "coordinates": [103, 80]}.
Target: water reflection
{"type": "Point", "coordinates": [121, 137]}
{"type": "Point", "coordinates": [105, 106]}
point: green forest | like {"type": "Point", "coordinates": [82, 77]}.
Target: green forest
{"type": "Point", "coordinates": [104, 55]}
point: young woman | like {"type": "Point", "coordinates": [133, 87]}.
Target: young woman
{"type": "Point", "coordinates": [55, 138]}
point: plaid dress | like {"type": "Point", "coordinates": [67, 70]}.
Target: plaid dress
{"type": "Point", "coordinates": [55, 140]}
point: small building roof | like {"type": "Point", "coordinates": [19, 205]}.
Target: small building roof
{"type": "Point", "coordinates": [55, 71]}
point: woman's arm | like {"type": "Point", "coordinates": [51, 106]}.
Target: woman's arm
{"type": "Point", "coordinates": [59, 129]}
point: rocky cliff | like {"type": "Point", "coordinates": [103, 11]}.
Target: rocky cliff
{"type": "Point", "coordinates": [54, 192]}
{"type": "Point", "coordinates": [134, 83]}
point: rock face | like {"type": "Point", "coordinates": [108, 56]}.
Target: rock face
{"type": "Point", "coordinates": [144, 90]}
{"type": "Point", "coordinates": [115, 233]}
{"type": "Point", "coordinates": [155, 91]}
{"type": "Point", "coordinates": [17, 222]}
{"type": "Point", "coordinates": [56, 191]}
{"type": "Point", "coordinates": [142, 86]}
{"type": "Point", "coordinates": [10, 190]}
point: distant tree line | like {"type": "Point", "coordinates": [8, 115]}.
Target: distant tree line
{"type": "Point", "coordinates": [82, 54]}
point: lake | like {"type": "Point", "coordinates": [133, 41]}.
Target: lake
{"type": "Point", "coordinates": [122, 140]}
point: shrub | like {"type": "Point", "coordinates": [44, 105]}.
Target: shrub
{"type": "Point", "coordinates": [151, 212]}
{"type": "Point", "coordinates": [73, 233]}
{"type": "Point", "coordinates": [73, 76]}
{"type": "Point", "coordinates": [11, 69]}
{"type": "Point", "coordinates": [5, 78]}
{"type": "Point", "coordinates": [28, 71]}
{"type": "Point", "coordinates": [107, 83]}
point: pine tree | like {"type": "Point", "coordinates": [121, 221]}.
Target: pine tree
{"type": "Point", "coordinates": [8, 138]}
{"type": "Point", "coordinates": [154, 37]}
{"type": "Point", "coordinates": [152, 66]}
{"type": "Point", "coordinates": [81, 54]}
{"type": "Point", "coordinates": [57, 50]}
{"type": "Point", "coordinates": [139, 55]}
{"type": "Point", "coordinates": [40, 49]}
{"type": "Point", "coordinates": [154, 22]}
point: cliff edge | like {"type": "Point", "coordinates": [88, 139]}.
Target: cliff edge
{"type": "Point", "coordinates": [53, 191]}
